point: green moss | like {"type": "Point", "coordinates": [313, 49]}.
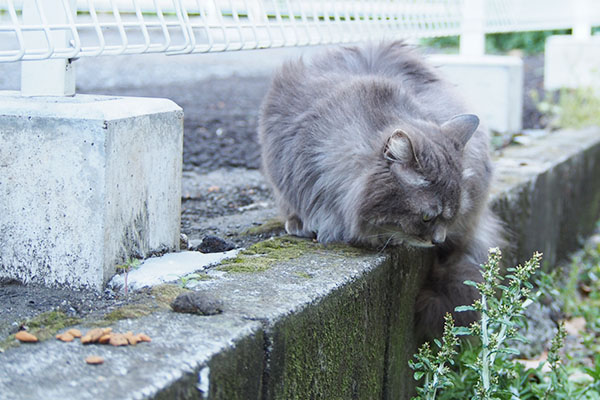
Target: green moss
{"type": "Point", "coordinates": [163, 296]}
{"type": "Point", "coordinates": [130, 311]}
{"type": "Point", "coordinates": [334, 349]}
{"type": "Point", "coordinates": [166, 293]}
{"type": "Point", "coordinates": [44, 326]}
{"type": "Point", "coordinates": [262, 255]}
{"type": "Point", "coordinates": [304, 275]}
{"type": "Point", "coordinates": [271, 226]}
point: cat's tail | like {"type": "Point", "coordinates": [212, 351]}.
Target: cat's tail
{"type": "Point", "coordinates": [443, 292]}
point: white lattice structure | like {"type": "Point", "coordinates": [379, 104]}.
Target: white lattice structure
{"type": "Point", "coordinates": [112, 27]}
{"type": "Point", "coordinates": [62, 30]}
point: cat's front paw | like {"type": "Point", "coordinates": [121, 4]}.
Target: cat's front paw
{"type": "Point", "coordinates": [294, 226]}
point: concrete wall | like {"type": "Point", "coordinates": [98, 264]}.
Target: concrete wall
{"type": "Point", "coordinates": [85, 182]}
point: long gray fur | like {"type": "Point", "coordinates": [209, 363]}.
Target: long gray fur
{"type": "Point", "coordinates": [370, 146]}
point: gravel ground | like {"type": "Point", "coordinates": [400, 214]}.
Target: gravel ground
{"type": "Point", "coordinates": [223, 192]}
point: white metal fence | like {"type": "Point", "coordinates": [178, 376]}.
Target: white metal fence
{"type": "Point", "coordinates": [59, 31]}
{"type": "Point", "coordinates": [41, 29]}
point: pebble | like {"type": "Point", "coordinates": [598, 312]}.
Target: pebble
{"type": "Point", "coordinates": [201, 303]}
{"type": "Point", "coordinates": [214, 244]}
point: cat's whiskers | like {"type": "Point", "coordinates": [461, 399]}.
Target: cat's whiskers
{"type": "Point", "coordinates": [385, 245]}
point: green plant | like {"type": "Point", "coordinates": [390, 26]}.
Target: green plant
{"type": "Point", "coordinates": [432, 367]}
{"type": "Point", "coordinates": [485, 368]}
{"type": "Point", "coordinates": [532, 42]}
{"type": "Point", "coordinates": [570, 108]}
{"type": "Point", "coordinates": [130, 264]}
{"type": "Point", "coordinates": [192, 278]}
{"type": "Point", "coordinates": [529, 42]}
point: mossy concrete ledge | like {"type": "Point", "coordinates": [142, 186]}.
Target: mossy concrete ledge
{"type": "Point", "coordinates": [322, 322]}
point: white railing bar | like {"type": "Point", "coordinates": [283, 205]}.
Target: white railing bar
{"type": "Point", "coordinates": [186, 30]}
{"type": "Point", "coordinates": [142, 25]}
{"type": "Point", "coordinates": [238, 28]}
{"type": "Point", "coordinates": [164, 28]}
{"type": "Point", "coordinates": [97, 29]}
{"type": "Point", "coordinates": [18, 32]}
{"type": "Point", "coordinates": [75, 42]}
{"type": "Point", "coordinates": [42, 15]}
{"type": "Point", "coordinates": [120, 27]}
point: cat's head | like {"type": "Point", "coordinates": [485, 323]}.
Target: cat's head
{"type": "Point", "coordinates": [415, 195]}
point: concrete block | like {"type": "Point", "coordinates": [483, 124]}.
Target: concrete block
{"type": "Point", "coordinates": [572, 62]}
{"type": "Point", "coordinates": [491, 85]}
{"type": "Point", "coordinates": [85, 182]}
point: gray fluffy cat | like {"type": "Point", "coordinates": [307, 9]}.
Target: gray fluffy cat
{"type": "Point", "coordinates": [370, 146]}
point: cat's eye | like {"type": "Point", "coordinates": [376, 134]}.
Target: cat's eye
{"type": "Point", "coordinates": [428, 217]}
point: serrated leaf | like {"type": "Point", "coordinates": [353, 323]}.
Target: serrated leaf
{"type": "Point", "coordinates": [527, 303]}
{"type": "Point", "coordinates": [470, 283]}
{"type": "Point", "coordinates": [464, 308]}
{"type": "Point", "coordinates": [520, 338]}
{"type": "Point", "coordinates": [461, 331]}
{"type": "Point", "coordinates": [506, 322]}
{"type": "Point", "coordinates": [418, 375]}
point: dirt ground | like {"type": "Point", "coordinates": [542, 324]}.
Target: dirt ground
{"type": "Point", "coordinates": [220, 134]}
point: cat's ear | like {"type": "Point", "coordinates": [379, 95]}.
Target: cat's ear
{"type": "Point", "coordinates": [400, 148]}
{"type": "Point", "coordinates": [461, 127]}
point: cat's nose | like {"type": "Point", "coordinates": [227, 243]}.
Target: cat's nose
{"type": "Point", "coordinates": [439, 235]}
{"type": "Point", "coordinates": [437, 242]}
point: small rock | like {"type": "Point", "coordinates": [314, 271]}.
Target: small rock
{"type": "Point", "coordinates": [197, 303]}
{"type": "Point", "coordinates": [214, 244]}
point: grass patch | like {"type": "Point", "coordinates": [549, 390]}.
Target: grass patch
{"type": "Point", "coordinates": [163, 296]}
{"type": "Point", "coordinates": [262, 255]}
{"type": "Point", "coordinates": [304, 275]}
{"type": "Point", "coordinates": [166, 293]}
{"type": "Point", "coordinates": [486, 367]}
{"type": "Point", "coordinates": [570, 108]}
{"type": "Point", "coordinates": [44, 326]}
